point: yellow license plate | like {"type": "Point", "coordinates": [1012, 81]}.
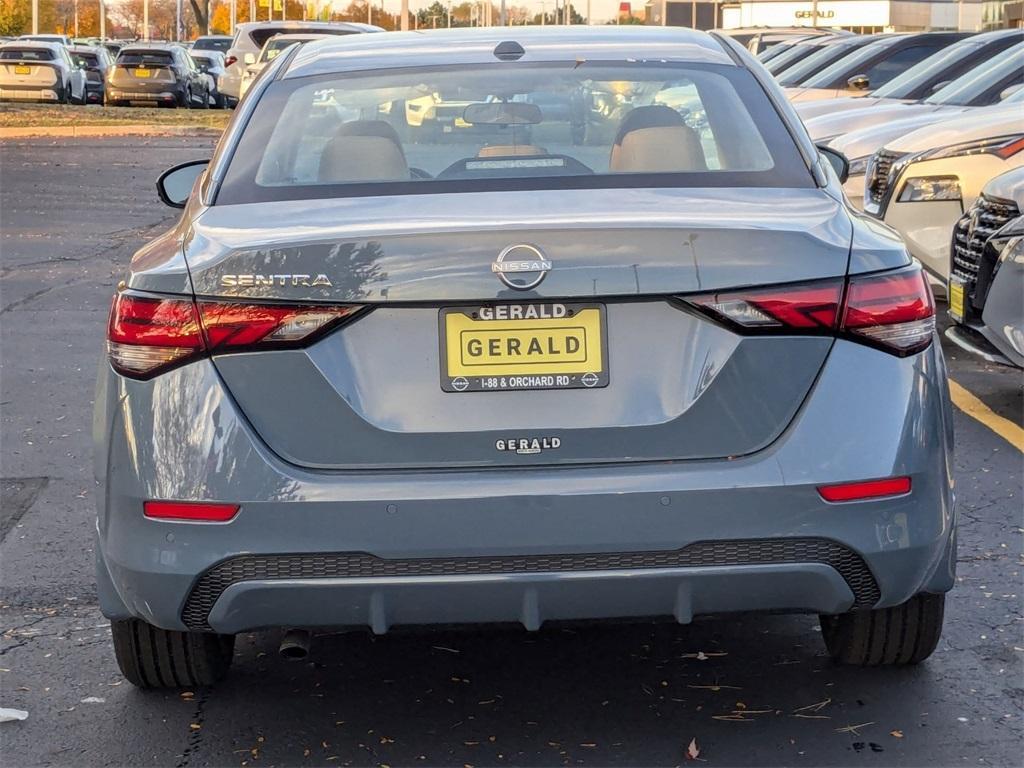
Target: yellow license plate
{"type": "Point", "coordinates": [22, 69]}
{"type": "Point", "coordinates": [956, 299]}
{"type": "Point", "coordinates": [523, 346]}
{"type": "Point", "coordinates": [143, 72]}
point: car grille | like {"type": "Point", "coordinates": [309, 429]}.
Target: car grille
{"type": "Point", "coordinates": [975, 227]}
{"type": "Point", "coordinates": [880, 176]}
{"type": "Point", "coordinates": [340, 565]}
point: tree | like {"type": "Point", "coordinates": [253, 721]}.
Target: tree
{"type": "Point", "coordinates": [15, 17]}
{"type": "Point", "coordinates": [201, 9]}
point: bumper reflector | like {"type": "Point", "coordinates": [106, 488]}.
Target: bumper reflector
{"type": "Point", "coordinates": [869, 489]}
{"type": "Point", "coordinates": [187, 510]}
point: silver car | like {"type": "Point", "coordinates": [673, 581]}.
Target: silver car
{"type": "Point", "coordinates": [380, 376]}
{"type": "Point", "coordinates": [986, 276]}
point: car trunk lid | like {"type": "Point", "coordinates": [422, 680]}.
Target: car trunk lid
{"type": "Point", "coordinates": [383, 391]}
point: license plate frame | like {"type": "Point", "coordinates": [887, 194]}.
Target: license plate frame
{"type": "Point", "coordinates": [585, 367]}
{"type": "Point", "coordinates": [143, 73]}
{"type": "Point", "coordinates": [956, 296]}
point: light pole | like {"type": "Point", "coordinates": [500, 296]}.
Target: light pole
{"type": "Point", "coordinates": [35, 17]}
{"type": "Point", "coordinates": [405, 15]}
{"type": "Point", "coordinates": [145, 20]}
{"type": "Point", "coordinates": [76, 18]}
{"type": "Point", "coordinates": [103, 20]}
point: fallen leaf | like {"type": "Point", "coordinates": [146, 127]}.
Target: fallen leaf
{"type": "Point", "coordinates": [692, 750]}
{"type": "Point", "coordinates": [896, 734]}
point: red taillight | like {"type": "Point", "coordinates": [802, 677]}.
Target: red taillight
{"type": "Point", "coordinates": [870, 489]}
{"type": "Point", "coordinates": [147, 335]}
{"type": "Point", "coordinates": [229, 60]}
{"type": "Point", "coordinates": [811, 306]}
{"type": "Point", "coordinates": [892, 310]}
{"type": "Point", "coordinates": [189, 510]}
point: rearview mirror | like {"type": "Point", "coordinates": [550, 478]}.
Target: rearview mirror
{"type": "Point", "coordinates": [502, 113]}
{"type": "Point", "coordinates": [859, 83]}
{"type": "Point", "coordinates": [837, 160]}
{"type": "Point", "coordinates": [175, 185]}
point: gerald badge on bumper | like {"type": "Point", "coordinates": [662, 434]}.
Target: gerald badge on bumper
{"type": "Point", "coordinates": [526, 446]}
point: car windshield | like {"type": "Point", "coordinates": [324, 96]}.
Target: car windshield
{"type": "Point", "coordinates": [532, 126]}
{"type": "Point", "coordinates": [145, 59]}
{"type": "Point", "coordinates": [903, 86]}
{"type": "Point", "coordinates": [791, 56]}
{"type": "Point", "coordinates": [814, 63]}
{"type": "Point", "coordinates": [863, 54]}
{"type": "Point", "coordinates": [212, 44]}
{"type": "Point", "coordinates": [977, 82]}
{"type": "Point", "coordinates": [27, 54]}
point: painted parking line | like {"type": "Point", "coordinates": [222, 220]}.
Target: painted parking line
{"type": "Point", "coordinates": [977, 410]}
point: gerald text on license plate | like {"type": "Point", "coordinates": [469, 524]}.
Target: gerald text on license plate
{"type": "Point", "coordinates": [22, 69]}
{"type": "Point", "coordinates": [142, 73]}
{"type": "Point", "coordinates": [502, 347]}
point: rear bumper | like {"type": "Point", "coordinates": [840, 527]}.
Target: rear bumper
{"type": "Point", "coordinates": [10, 92]}
{"type": "Point", "coordinates": [975, 339]}
{"type": "Point", "coordinates": [162, 93]}
{"type": "Point", "coordinates": [380, 549]}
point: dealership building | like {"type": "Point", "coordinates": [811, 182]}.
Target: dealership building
{"type": "Point", "coordinates": [855, 15]}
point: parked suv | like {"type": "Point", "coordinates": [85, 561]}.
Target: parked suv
{"type": "Point", "coordinates": [158, 73]}
{"type": "Point", "coordinates": [327, 401]}
{"type": "Point", "coordinates": [33, 70]}
{"type": "Point", "coordinates": [250, 38]}
{"type": "Point", "coordinates": [986, 278]}
{"type": "Point", "coordinates": [211, 63]}
{"type": "Point", "coordinates": [97, 62]}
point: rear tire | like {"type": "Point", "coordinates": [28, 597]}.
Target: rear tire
{"type": "Point", "coordinates": [903, 634]}
{"type": "Point", "coordinates": [150, 657]}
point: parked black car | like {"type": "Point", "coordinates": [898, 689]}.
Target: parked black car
{"type": "Point", "coordinates": [157, 73]}
{"type": "Point", "coordinates": [211, 63]}
{"type": "Point", "coordinates": [97, 62]}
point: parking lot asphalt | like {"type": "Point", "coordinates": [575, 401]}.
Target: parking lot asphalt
{"type": "Point", "coordinates": [744, 689]}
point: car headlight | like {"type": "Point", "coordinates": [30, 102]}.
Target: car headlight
{"type": "Point", "coordinates": [927, 189]}
{"type": "Point", "coordinates": [1001, 146]}
{"type": "Point", "coordinates": [859, 166]}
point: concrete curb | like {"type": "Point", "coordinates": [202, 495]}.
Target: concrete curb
{"type": "Point", "coordinates": [79, 131]}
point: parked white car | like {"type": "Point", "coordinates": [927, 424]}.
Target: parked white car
{"type": "Point", "coordinates": [251, 36]}
{"type": "Point", "coordinates": [858, 146]}
{"type": "Point", "coordinates": [921, 183]}
{"type": "Point", "coordinates": [923, 79]}
{"type": "Point", "coordinates": [33, 70]}
{"type": "Point", "coordinates": [273, 48]}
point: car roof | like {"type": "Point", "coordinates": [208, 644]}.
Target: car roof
{"type": "Point", "coordinates": [214, 37]}
{"type": "Point", "coordinates": [972, 125]}
{"type": "Point", "coordinates": [41, 44]}
{"type": "Point", "coordinates": [132, 47]}
{"type": "Point", "coordinates": [355, 26]}
{"type": "Point", "coordinates": [476, 46]}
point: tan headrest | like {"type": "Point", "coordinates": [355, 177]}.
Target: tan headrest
{"type": "Point", "coordinates": [516, 150]}
{"type": "Point", "coordinates": [655, 139]}
{"type": "Point", "coordinates": [363, 150]}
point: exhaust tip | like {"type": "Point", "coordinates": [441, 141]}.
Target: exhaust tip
{"type": "Point", "coordinates": [295, 645]}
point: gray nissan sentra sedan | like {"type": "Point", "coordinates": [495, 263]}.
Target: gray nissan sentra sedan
{"type": "Point", "coordinates": [519, 325]}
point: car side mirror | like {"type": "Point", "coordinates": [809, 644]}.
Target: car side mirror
{"type": "Point", "coordinates": [175, 185]}
{"type": "Point", "coordinates": [837, 160]}
{"type": "Point", "coordinates": [859, 83]}
{"type": "Point", "coordinates": [249, 58]}
{"type": "Point", "coordinates": [1008, 92]}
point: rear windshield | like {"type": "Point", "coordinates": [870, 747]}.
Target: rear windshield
{"type": "Point", "coordinates": [27, 54]}
{"type": "Point", "coordinates": [532, 126]}
{"type": "Point", "coordinates": [89, 59]}
{"type": "Point", "coordinates": [212, 44]}
{"type": "Point", "coordinates": [145, 58]}
{"type": "Point", "coordinates": [260, 36]}
{"type": "Point", "coordinates": [275, 46]}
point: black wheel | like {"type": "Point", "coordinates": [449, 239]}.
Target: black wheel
{"type": "Point", "coordinates": [903, 634]}
{"type": "Point", "coordinates": [150, 657]}
{"type": "Point", "coordinates": [64, 96]}
{"type": "Point", "coordinates": [221, 101]}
